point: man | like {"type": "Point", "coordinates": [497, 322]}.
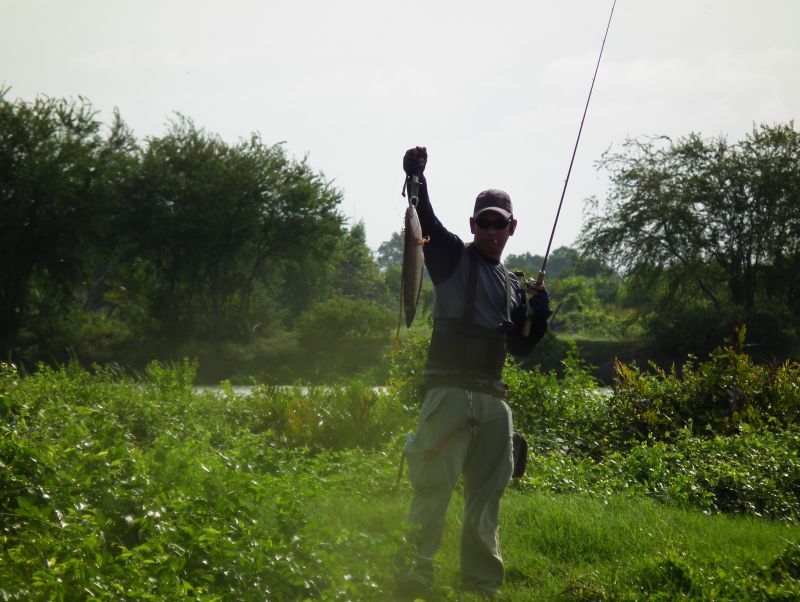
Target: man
{"type": "Point", "coordinates": [480, 313]}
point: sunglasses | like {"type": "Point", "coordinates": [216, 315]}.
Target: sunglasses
{"type": "Point", "coordinates": [485, 223]}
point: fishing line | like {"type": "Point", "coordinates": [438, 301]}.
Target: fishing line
{"type": "Point", "coordinates": [540, 278]}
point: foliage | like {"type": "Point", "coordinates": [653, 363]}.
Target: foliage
{"type": "Point", "coordinates": [142, 487]}
{"type": "Point", "coordinates": [566, 412]}
{"type": "Point", "coordinates": [675, 438]}
{"type": "Point", "coordinates": [711, 228]}
{"type": "Point", "coordinates": [356, 273]}
{"type": "Point", "coordinates": [579, 310]}
{"type": "Point", "coordinates": [390, 252]}
{"type": "Point", "coordinates": [583, 290]}
{"type": "Point", "coordinates": [134, 489]}
{"type": "Point", "coordinates": [184, 244]}
{"type": "Point", "coordinates": [342, 335]}
{"type": "Point", "coordinates": [126, 250]}
{"type": "Point", "coordinates": [53, 162]}
{"type": "Point", "coordinates": [563, 261]}
{"type": "Point", "coordinates": [405, 371]}
{"type": "Point", "coordinates": [714, 397]}
{"type": "Point", "coordinates": [217, 224]}
{"type": "Point", "coordinates": [750, 473]}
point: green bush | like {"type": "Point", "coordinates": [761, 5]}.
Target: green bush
{"type": "Point", "coordinates": [140, 487]}
{"type": "Point", "coordinates": [712, 398]}
{"type": "Point", "coordinates": [405, 371]}
{"type": "Point", "coordinates": [116, 487]}
{"type": "Point", "coordinates": [664, 436]}
{"type": "Point", "coordinates": [567, 413]}
{"type": "Point", "coordinates": [749, 473]}
{"type": "Point", "coordinates": [332, 418]}
{"type": "Point", "coordinates": [342, 336]}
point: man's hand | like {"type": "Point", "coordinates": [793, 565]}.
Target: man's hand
{"type": "Point", "coordinates": [540, 298]}
{"type": "Point", "coordinates": [414, 161]}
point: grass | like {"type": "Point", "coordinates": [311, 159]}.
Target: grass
{"type": "Point", "coordinates": [559, 545]}
{"type": "Point", "coordinates": [567, 547]}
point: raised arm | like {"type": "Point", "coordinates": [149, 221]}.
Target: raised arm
{"type": "Point", "coordinates": [444, 248]}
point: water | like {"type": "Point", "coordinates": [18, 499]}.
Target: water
{"type": "Point", "coordinates": [245, 390]}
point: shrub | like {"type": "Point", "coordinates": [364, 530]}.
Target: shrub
{"type": "Point", "coordinates": [570, 413]}
{"type": "Point", "coordinates": [713, 398]}
{"type": "Point", "coordinates": [114, 487]}
{"type": "Point", "coordinates": [343, 336]}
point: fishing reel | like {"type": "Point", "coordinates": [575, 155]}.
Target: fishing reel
{"type": "Point", "coordinates": [523, 279]}
{"type": "Point", "coordinates": [526, 281]}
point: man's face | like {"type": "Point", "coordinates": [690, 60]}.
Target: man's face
{"type": "Point", "coordinates": [490, 233]}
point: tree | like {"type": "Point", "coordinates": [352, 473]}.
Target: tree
{"type": "Point", "coordinates": [390, 252]}
{"type": "Point", "coordinates": [218, 223]}
{"type": "Point", "coordinates": [356, 274]}
{"type": "Point", "coordinates": [343, 335]}
{"type": "Point", "coordinates": [561, 262]}
{"type": "Point", "coordinates": [52, 159]}
{"type": "Point", "coordinates": [710, 227]}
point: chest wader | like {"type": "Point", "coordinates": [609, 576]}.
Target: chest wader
{"type": "Point", "coordinates": [472, 354]}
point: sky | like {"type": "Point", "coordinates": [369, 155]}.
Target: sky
{"type": "Point", "coordinates": [495, 90]}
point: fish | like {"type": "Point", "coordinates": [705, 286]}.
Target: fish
{"type": "Point", "coordinates": [413, 265]}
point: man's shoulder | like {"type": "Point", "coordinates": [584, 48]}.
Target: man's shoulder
{"type": "Point", "coordinates": [443, 254]}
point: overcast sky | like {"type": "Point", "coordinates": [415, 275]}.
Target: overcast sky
{"type": "Point", "coordinates": [494, 89]}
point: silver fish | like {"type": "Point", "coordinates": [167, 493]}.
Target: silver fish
{"type": "Point", "coordinates": [413, 264]}
{"type": "Point", "coordinates": [411, 274]}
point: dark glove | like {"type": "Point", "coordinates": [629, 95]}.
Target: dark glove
{"type": "Point", "coordinates": [414, 161]}
{"type": "Point", "coordinates": [540, 302]}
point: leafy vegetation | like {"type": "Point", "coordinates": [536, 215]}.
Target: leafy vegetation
{"type": "Point", "coordinates": [141, 487]}
{"type": "Point", "coordinates": [680, 481]}
{"type": "Point", "coordinates": [125, 251]}
{"type": "Point", "coordinates": [706, 233]}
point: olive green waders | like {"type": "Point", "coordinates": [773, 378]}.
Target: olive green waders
{"type": "Point", "coordinates": [469, 433]}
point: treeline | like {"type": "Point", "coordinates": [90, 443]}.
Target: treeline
{"type": "Point", "coordinates": [706, 234]}
{"type": "Point", "coordinates": [119, 249]}
{"type": "Point", "coordinates": [123, 250]}
{"type": "Point", "coordinates": [695, 239]}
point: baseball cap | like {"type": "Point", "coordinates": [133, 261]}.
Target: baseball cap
{"type": "Point", "coordinates": [493, 200]}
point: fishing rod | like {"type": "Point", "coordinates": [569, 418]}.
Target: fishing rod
{"type": "Point", "coordinates": [540, 277]}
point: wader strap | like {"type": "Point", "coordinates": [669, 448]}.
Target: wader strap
{"type": "Point", "coordinates": [508, 295]}
{"type": "Point", "coordinates": [461, 347]}
{"type": "Point", "coordinates": [472, 286]}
